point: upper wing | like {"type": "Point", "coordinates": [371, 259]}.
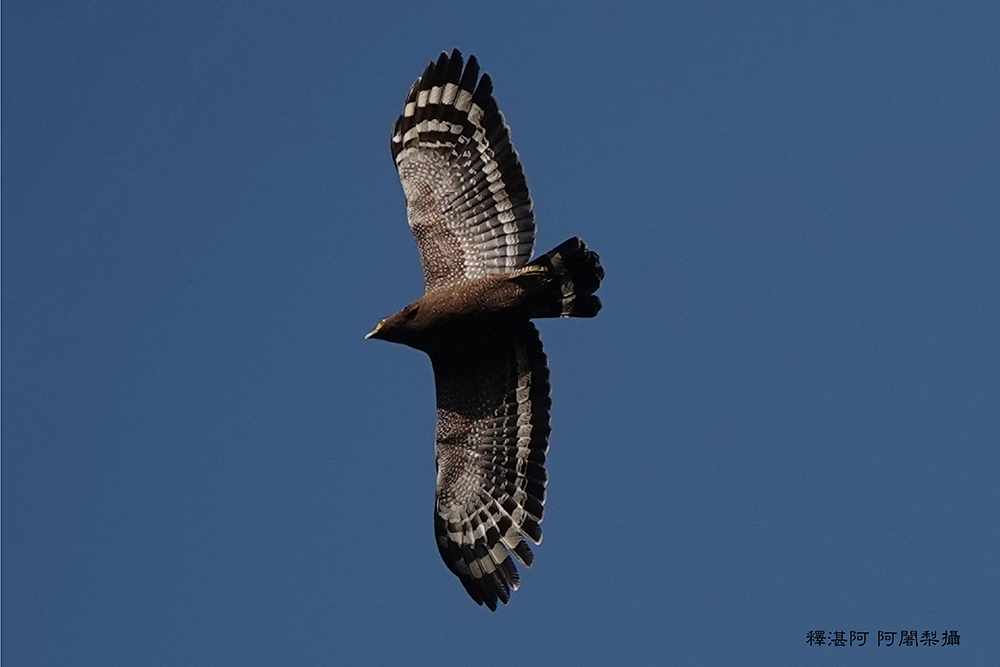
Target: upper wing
{"type": "Point", "coordinates": [466, 199]}
{"type": "Point", "coordinates": [492, 435]}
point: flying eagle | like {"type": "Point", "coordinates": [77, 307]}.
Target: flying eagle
{"type": "Point", "coordinates": [469, 209]}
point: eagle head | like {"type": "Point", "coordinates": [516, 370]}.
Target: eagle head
{"type": "Point", "coordinates": [402, 327]}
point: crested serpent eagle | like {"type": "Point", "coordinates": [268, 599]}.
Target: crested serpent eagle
{"type": "Point", "coordinates": [469, 209]}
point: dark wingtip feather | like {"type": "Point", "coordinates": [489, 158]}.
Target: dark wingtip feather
{"type": "Point", "coordinates": [524, 553]}
{"type": "Point", "coordinates": [428, 73]}
{"type": "Point", "coordinates": [454, 74]}
{"type": "Point", "coordinates": [470, 76]}
{"type": "Point", "coordinates": [484, 91]}
{"type": "Point", "coordinates": [440, 70]}
{"type": "Point", "coordinates": [531, 528]}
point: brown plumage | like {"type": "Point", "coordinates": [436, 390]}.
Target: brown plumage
{"type": "Point", "coordinates": [470, 212]}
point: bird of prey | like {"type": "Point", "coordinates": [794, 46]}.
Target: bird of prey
{"type": "Point", "coordinates": [469, 209]}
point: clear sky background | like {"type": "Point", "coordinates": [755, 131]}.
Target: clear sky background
{"type": "Point", "coordinates": [785, 419]}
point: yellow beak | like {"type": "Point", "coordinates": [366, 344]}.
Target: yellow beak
{"type": "Point", "coordinates": [375, 330]}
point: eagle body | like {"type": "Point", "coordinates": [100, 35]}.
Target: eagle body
{"type": "Point", "coordinates": [470, 212]}
{"type": "Point", "coordinates": [439, 321]}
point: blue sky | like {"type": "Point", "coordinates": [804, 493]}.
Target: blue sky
{"type": "Point", "coordinates": [785, 419]}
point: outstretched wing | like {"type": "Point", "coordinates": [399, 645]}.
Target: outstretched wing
{"type": "Point", "coordinates": [492, 435]}
{"type": "Point", "coordinates": [466, 199]}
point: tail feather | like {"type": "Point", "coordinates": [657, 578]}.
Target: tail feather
{"type": "Point", "coordinates": [573, 274]}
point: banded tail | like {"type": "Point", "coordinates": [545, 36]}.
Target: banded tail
{"type": "Point", "coordinates": [572, 275]}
